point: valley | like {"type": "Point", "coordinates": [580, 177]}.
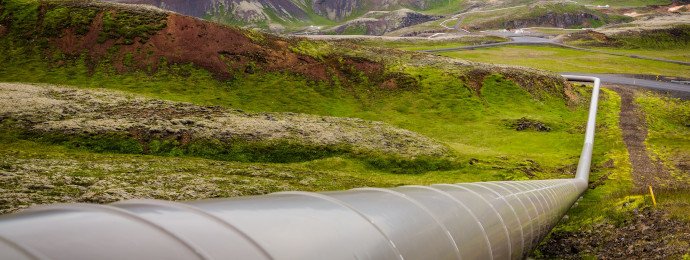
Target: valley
{"type": "Point", "coordinates": [181, 100]}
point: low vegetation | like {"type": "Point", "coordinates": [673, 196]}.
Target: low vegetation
{"type": "Point", "coordinates": [559, 59]}
{"type": "Point", "coordinates": [417, 44]}
{"type": "Point", "coordinates": [676, 37]}
{"type": "Point", "coordinates": [626, 3]}
{"type": "Point", "coordinates": [564, 15]}
{"type": "Point", "coordinates": [136, 118]}
{"type": "Point", "coordinates": [613, 210]}
{"type": "Point", "coordinates": [668, 123]}
{"type": "Point", "coordinates": [458, 108]}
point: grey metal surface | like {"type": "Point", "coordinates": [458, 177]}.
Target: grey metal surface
{"type": "Point", "coordinates": [484, 220]}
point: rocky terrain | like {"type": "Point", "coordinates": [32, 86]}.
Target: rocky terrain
{"type": "Point", "coordinates": [280, 11]}
{"type": "Point", "coordinates": [645, 234]}
{"type": "Point", "coordinates": [200, 152]}
{"type": "Point", "coordinates": [46, 110]}
{"type": "Point", "coordinates": [381, 22]}
{"type": "Point", "coordinates": [376, 17]}
{"type": "Point", "coordinates": [542, 14]}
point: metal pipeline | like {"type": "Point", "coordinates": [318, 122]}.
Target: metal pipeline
{"type": "Point", "coordinates": [483, 220]}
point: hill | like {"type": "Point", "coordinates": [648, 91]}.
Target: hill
{"type": "Point", "coordinates": [560, 15]}
{"type": "Point", "coordinates": [131, 101]}
{"type": "Point", "coordinates": [280, 13]}
{"type": "Point", "coordinates": [424, 118]}
{"type": "Point", "coordinates": [376, 17]}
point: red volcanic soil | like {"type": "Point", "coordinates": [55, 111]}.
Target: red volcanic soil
{"type": "Point", "coordinates": [217, 48]}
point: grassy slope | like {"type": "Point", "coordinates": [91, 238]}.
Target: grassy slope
{"type": "Point", "coordinates": [444, 109]}
{"type": "Point", "coordinates": [680, 54]}
{"type": "Point", "coordinates": [419, 44]}
{"type": "Point", "coordinates": [612, 200]}
{"type": "Point", "coordinates": [436, 7]}
{"type": "Point", "coordinates": [676, 37]}
{"type": "Point", "coordinates": [670, 43]}
{"type": "Point", "coordinates": [613, 203]}
{"type": "Point", "coordinates": [626, 3]}
{"type": "Point", "coordinates": [566, 60]}
{"type": "Point", "coordinates": [605, 201]}
{"type": "Point", "coordinates": [668, 121]}
{"type": "Point", "coordinates": [497, 19]}
{"type": "Point", "coordinates": [444, 106]}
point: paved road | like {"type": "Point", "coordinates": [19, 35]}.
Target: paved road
{"type": "Point", "coordinates": [681, 90]}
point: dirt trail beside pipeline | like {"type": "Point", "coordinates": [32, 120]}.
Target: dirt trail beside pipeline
{"type": "Point", "coordinates": [647, 171]}
{"type": "Point", "coordinates": [648, 233]}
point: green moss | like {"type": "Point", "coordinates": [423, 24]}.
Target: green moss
{"type": "Point", "coordinates": [675, 37]}
{"type": "Point", "coordinates": [132, 24]}
{"type": "Point", "coordinates": [402, 165]}
{"type": "Point", "coordinates": [416, 45]}
{"type": "Point", "coordinates": [557, 59]}
{"type": "Point", "coordinates": [435, 100]}
{"type": "Point", "coordinates": [668, 123]}
{"type": "Point", "coordinates": [356, 29]}
{"type": "Point", "coordinates": [530, 13]}
{"type": "Point", "coordinates": [315, 49]}
{"type": "Point", "coordinates": [107, 142]}
{"type": "Point", "coordinates": [21, 16]}
{"type": "Point", "coordinates": [237, 150]}
{"type": "Point", "coordinates": [58, 18]}
{"type": "Point", "coordinates": [627, 3]}
{"type": "Point", "coordinates": [255, 35]}
{"type": "Point", "coordinates": [24, 18]}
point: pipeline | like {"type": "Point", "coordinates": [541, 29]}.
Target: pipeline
{"type": "Point", "coordinates": [482, 220]}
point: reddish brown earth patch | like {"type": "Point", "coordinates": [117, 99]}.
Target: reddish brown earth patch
{"type": "Point", "coordinates": [219, 49]}
{"type": "Point", "coordinates": [475, 79]}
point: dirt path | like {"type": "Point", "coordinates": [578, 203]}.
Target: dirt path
{"type": "Point", "coordinates": [646, 233]}
{"type": "Point", "coordinates": [646, 171]}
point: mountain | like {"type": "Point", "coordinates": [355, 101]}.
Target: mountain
{"type": "Point", "coordinates": [263, 12]}
{"type": "Point", "coordinates": [377, 17]}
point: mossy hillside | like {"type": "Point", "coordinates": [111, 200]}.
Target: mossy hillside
{"type": "Point", "coordinates": [131, 25]}
{"type": "Point", "coordinates": [26, 18]}
{"type": "Point", "coordinates": [443, 99]}
{"type": "Point", "coordinates": [673, 38]}
{"type": "Point", "coordinates": [532, 13]}
{"type": "Point", "coordinates": [677, 37]}
{"type": "Point", "coordinates": [558, 59]}
{"type": "Point", "coordinates": [445, 108]}
{"type": "Point", "coordinates": [240, 150]}
{"type": "Point", "coordinates": [668, 123]}
{"type": "Point", "coordinates": [627, 3]}
{"type": "Point", "coordinates": [111, 122]}
{"type": "Point", "coordinates": [38, 173]}
{"type": "Point", "coordinates": [462, 105]}
{"type": "Point", "coordinates": [425, 44]}
{"type": "Point", "coordinates": [119, 33]}
{"type": "Point", "coordinates": [610, 185]}
{"type": "Point", "coordinates": [612, 198]}
{"type": "Point", "coordinates": [106, 169]}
